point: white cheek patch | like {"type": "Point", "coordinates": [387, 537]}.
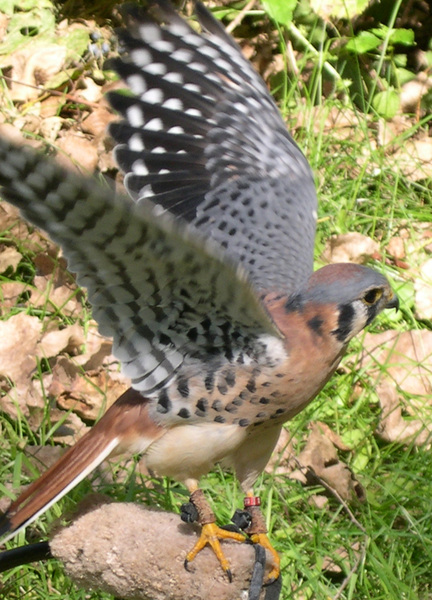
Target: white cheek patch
{"type": "Point", "coordinates": [360, 318]}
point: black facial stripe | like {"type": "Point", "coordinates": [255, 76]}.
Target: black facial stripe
{"type": "Point", "coordinates": [345, 322]}
{"type": "Point", "coordinates": [372, 313]}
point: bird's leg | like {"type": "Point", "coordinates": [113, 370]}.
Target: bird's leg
{"type": "Point", "coordinates": [257, 531]}
{"type": "Point", "coordinates": [211, 534]}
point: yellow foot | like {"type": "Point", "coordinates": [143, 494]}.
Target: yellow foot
{"type": "Point", "coordinates": [211, 534]}
{"type": "Point", "coordinates": [263, 540]}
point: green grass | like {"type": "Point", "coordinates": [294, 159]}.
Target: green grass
{"type": "Point", "coordinates": [392, 530]}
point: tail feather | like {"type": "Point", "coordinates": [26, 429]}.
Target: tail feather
{"type": "Point", "coordinates": [65, 474]}
{"type": "Point", "coordinates": [126, 426]}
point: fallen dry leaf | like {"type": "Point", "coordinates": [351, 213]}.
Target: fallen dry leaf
{"type": "Point", "coordinates": [394, 426]}
{"type": "Point", "coordinates": [319, 461]}
{"type": "Point", "coordinates": [350, 247]}
{"type": "Point", "coordinates": [396, 247]}
{"type": "Point", "coordinates": [9, 258]}
{"type": "Point", "coordinates": [97, 350]}
{"type": "Point", "coordinates": [282, 460]}
{"type": "Point", "coordinates": [24, 399]}
{"type": "Point", "coordinates": [19, 337]}
{"type": "Point", "coordinates": [10, 221]}
{"type": "Point", "coordinates": [9, 215]}
{"type": "Point", "coordinates": [390, 130]}
{"type": "Point", "coordinates": [51, 107]}
{"type": "Point", "coordinates": [54, 286]}
{"type": "Point", "coordinates": [57, 298]}
{"type": "Point", "coordinates": [33, 66]}
{"type": "Point", "coordinates": [340, 122]}
{"type": "Point", "coordinates": [407, 360]}
{"type": "Point", "coordinates": [70, 428]}
{"type": "Point", "coordinates": [423, 291]}
{"type": "Point", "coordinates": [334, 438]}
{"type": "Point", "coordinates": [97, 122]}
{"type": "Point", "coordinates": [91, 91]}
{"type": "Point", "coordinates": [417, 238]}
{"type": "Point", "coordinates": [413, 91]}
{"type": "Point", "coordinates": [106, 158]}
{"type": "Point", "coordinates": [68, 340]}
{"type": "Point", "coordinates": [88, 394]}
{"type": "Point", "coordinates": [318, 501]}
{"type": "Point", "coordinates": [41, 457]}
{"type": "Point", "coordinates": [51, 127]}
{"type": "Point", "coordinates": [340, 561]}
{"type": "Point", "coordinates": [406, 357]}
{"type": "Point", "coordinates": [414, 158]}
{"type": "Point", "coordinates": [4, 22]}
{"type": "Point", "coordinates": [10, 294]}
{"type": "Point", "coordinates": [78, 152]}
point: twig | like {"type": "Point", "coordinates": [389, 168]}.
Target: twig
{"type": "Point", "coordinates": [239, 18]}
{"type": "Point", "coordinates": [295, 32]}
{"type": "Point", "coordinates": [52, 92]}
{"type": "Point", "coordinates": [353, 569]}
{"type": "Point", "coordinates": [334, 493]}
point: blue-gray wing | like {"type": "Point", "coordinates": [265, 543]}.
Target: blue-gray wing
{"type": "Point", "coordinates": [203, 139]}
{"type": "Point", "coordinates": [162, 291]}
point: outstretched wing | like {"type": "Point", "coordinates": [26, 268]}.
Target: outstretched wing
{"type": "Point", "coordinates": [203, 139]}
{"type": "Point", "coordinates": [161, 290]}
{"type": "Point", "coordinates": [225, 203]}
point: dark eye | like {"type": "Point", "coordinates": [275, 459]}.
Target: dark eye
{"type": "Point", "coordinates": [372, 296]}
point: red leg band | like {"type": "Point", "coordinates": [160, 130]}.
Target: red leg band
{"type": "Point", "coordinates": [251, 501]}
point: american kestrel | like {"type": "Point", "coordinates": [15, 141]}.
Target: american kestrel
{"type": "Point", "coordinates": [205, 280]}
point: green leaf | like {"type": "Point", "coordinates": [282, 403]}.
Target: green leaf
{"type": "Point", "coordinates": [404, 76]}
{"type": "Point", "coordinates": [386, 103]}
{"type": "Point", "coordinates": [24, 5]}
{"type": "Point", "coordinates": [406, 293]}
{"type": "Point", "coordinates": [76, 42]}
{"type": "Point", "coordinates": [400, 60]}
{"type": "Point", "coordinates": [339, 9]}
{"type": "Point", "coordinates": [364, 42]}
{"type": "Point", "coordinates": [404, 37]}
{"type": "Point", "coordinates": [381, 32]}
{"type": "Point", "coordinates": [7, 7]}
{"type": "Point", "coordinates": [28, 27]}
{"type": "Point", "coordinates": [62, 77]}
{"type": "Point", "coordinates": [362, 457]}
{"type": "Point", "coordinates": [280, 10]}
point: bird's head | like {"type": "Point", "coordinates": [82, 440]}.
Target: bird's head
{"type": "Point", "coordinates": [353, 294]}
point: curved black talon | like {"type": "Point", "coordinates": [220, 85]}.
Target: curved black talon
{"type": "Point", "coordinates": [186, 566]}
{"type": "Point", "coordinates": [229, 575]}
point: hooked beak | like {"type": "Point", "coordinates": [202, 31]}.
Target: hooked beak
{"type": "Point", "coordinates": [393, 302]}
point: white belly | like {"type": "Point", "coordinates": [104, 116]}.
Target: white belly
{"type": "Point", "coordinates": [190, 451]}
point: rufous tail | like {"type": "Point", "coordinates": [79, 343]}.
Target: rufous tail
{"type": "Point", "coordinates": [112, 433]}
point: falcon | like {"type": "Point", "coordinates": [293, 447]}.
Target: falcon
{"type": "Point", "coordinates": [203, 277]}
